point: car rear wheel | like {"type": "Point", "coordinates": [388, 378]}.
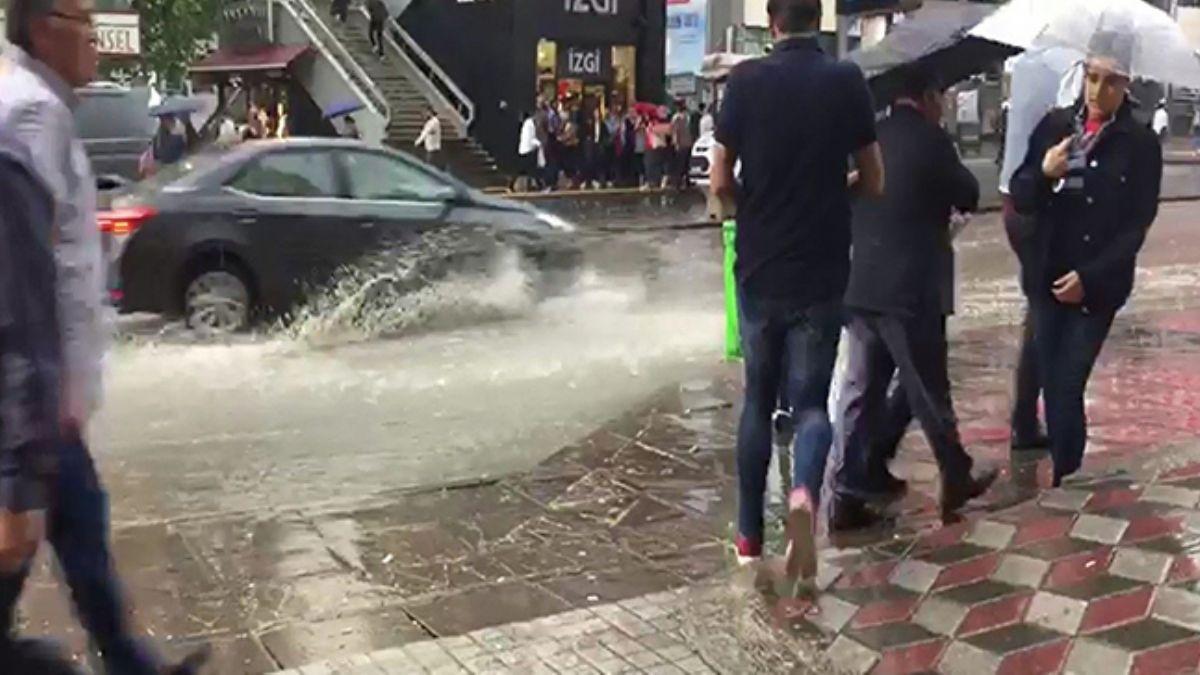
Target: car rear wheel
{"type": "Point", "coordinates": [217, 302]}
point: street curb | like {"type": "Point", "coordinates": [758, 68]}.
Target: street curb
{"type": "Point", "coordinates": [715, 224]}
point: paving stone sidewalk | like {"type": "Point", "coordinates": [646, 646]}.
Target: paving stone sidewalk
{"type": "Point", "coordinates": [640, 635]}
{"type": "Point", "coordinates": [1101, 576]}
{"type": "Point", "coordinates": [643, 506]}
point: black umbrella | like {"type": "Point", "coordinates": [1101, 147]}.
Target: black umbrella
{"type": "Point", "coordinates": [936, 36]}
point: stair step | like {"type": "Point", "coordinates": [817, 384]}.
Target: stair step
{"type": "Point", "coordinates": [465, 157]}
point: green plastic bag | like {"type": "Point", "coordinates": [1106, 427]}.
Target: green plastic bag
{"type": "Point", "coordinates": [733, 335]}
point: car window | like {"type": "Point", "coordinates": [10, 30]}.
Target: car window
{"type": "Point", "coordinates": [288, 174]}
{"type": "Point", "coordinates": [380, 177]}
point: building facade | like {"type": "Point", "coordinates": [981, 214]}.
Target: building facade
{"type": "Point", "coordinates": [505, 53]}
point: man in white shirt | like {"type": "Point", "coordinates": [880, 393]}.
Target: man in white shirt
{"type": "Point", "coordinates": [52, 51]}
{"type": "Point", "coordinates": [527, 152]}
{"type": "Point", "coordinates": [431, 139]}
{"type": "Point", "coordinates": [707, 124]}
{"type": "Point", "coordinates": [1161, 122]}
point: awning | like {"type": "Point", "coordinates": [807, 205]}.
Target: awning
{"type": "Point", "coordinates": [270, 57]}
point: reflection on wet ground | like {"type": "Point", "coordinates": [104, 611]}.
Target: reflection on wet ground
{"type": "Point", "coordinates": [639, 506]}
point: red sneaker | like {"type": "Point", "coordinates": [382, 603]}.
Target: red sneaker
{"type": "Point", "coordinates": [748, 550]}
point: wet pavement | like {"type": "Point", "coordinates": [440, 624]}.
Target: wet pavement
{"type": "Point", "coordinates": [643, 505]}
{"type": "Point", "coordinates": [302, 515]}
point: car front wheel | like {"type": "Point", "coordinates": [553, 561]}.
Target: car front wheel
{"type": "Point", "coordinates": [217, 302]}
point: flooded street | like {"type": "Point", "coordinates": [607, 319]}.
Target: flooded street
{"type": "Point", "coordinates": [486, 382]}
{"type": "Point", "coordinates": [490, 383]}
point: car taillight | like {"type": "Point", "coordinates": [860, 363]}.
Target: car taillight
{"type": "Point", "coordinates": [126, 221]}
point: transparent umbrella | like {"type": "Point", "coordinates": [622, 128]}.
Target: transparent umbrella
{"type": "Point", "coordinates": [1143, 40]}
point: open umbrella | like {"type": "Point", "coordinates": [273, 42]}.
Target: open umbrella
{"type": "Point", "coordinates": [1038, 84]}
{"type": "Point", "coordinates": [176, 105]}
{"type": "Point", "coordinates": [343, 108]}
{"type": "Point", "coordinates": [937, 37]}
{"type": "Point", "coordinates": [1144, 40]}
{"type": "Point", "coordinates": [716, 67]}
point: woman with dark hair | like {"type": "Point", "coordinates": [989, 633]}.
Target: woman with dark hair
{"type": "Point", "coordinates": [1091, 184]}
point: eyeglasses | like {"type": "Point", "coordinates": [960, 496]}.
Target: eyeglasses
{"type": "Point", "coordinates": [81, 19]}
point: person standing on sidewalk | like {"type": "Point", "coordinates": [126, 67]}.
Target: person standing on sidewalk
{"type": "Point", "coordinates": [377, 13]}
{"type": "Point", "coordinates": [430, 139]}
{"type": "Point", "coordinates": [1091, 183]}
{"type": "Point", "coordinates": [1036, 79]}
{"type": "Point", "coordinates": [682, 139]}
{"type": "Point", "coordinates": [528, 149]}
{"type": "Point", "coordinates": [792, 118]}
{"type": "Point", "coordinates": [52, 51]}
{"type": "Point", "coordinates": [896, 303]}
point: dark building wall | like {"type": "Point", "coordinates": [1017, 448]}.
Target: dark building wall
{"type": "Point", "coordinates": [489, 48]}
{"type": "Point", "coordinates": [473, 43]}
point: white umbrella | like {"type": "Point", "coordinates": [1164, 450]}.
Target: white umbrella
{"type": "Point", "coordinates": [1144, 40]}
{"type": "Point", "coordinates": [1017, 23]}
{"type": "Point", "coordinates": [1039, 84]}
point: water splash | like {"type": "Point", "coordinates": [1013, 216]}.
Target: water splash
{"type": "Point", "coordinates": [398, 299]}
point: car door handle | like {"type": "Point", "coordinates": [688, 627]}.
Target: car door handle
{"type": "Point", "coordinates": [246, 216]}
{"type": "Point", "coordinates": [366, 224]}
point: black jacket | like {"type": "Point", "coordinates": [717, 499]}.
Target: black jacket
{"type": "Point", "coordinates": [377, 10]}
{"type": "Point", "coordinates": [901, 260]}
{"type": "Point", "coordinates": [1098, 230]}
{"type": "Point", "coordinates": [30, 339]}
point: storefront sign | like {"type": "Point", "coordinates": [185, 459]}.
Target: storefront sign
{"type": "Point", "coordinates": [118, 34]}
{"type": "Point", "coordinates": [591, 6]}
{"type": "Point", "coordinates": [687, 35]}
{"type": "Point", "coordinates": [584, 63]}
{"type": "Point", "coordinates": [681, 85]}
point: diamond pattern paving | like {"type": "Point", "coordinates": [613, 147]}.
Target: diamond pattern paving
{"type": "Point", "coordinates": [1106, 580]}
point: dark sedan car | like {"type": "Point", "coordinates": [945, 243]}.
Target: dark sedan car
{"type": "Point", "coordinates": [258, 227]}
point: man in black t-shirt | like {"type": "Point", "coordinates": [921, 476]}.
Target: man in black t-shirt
{"type": "Point", "coordinates": [793, 119]}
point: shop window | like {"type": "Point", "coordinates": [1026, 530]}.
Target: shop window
{"type": "Point", "coordinates": [547, 64]}
{"type": "Point", "coordinates": [608, 78]}
{"type": "Point", "coordinates": [625, 73]}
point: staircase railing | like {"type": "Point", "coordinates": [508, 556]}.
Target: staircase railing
{"type": "Point", "coordinates": [436, 81]}
{"type": "Point", "coordinates": [343, 62]}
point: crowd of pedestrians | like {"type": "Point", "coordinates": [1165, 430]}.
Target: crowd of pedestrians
{"type": "Point", "coordinates": [826, 248]}
{"type": "Point", "coordinates": [579, 144]}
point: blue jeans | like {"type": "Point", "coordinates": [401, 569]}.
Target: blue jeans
{"type": "Point", "coordinates": [1069, 340]}
{"type": "Point", "coordinates": [776, 332]}
{"type": "Point", "coordinates": [77, 529]}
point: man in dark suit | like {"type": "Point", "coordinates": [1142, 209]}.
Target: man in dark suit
{"type": "Point", "coordinates": [896, 305]}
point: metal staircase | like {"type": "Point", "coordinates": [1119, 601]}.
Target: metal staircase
{"type": "Point", "coordinates": [411, 82]}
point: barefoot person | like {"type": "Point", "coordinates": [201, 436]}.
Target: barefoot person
{"type": "Point", "coordinates": [793, 119]}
